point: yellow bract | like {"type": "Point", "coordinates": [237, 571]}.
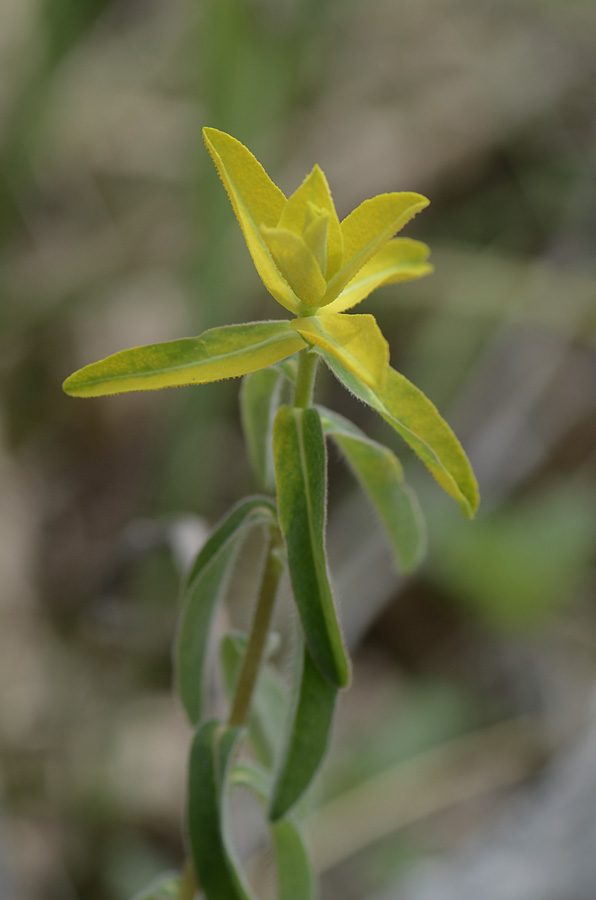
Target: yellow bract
{"type": "Point", "coordinates": [315, 265]}
{"type": "Point", "coordinates": [305, 256]}
{"type": "Point", "coordinates": [355, 340]}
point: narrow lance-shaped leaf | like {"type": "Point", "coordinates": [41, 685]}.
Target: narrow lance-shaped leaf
{"type": "Point", "coordinates": [295, 876]}
{"type": "Point", "coordinates": [300, 476]}
{"type": "Point", "coordinates": [268, 712]}
{"type": "Point", "coordinates": [297, 263]}
{"type": "Point", "coordinates": [367, 229]}
{"type": "Point", "coordinates": [218, 872]}
{"type": "Point", "coordinates": [211, 756]}
{"type": "Point", "coordinates": [419, 423]}
{"type": "Point", "coordinates": [259, 400]}
{"type": "Point", "coordinates": [204, 586]}
{"type": "Point", "coordinates": [381, 475]}
{"type": "Point", "coordinates": [257, 201]}
{"type": "Point", "coordinates": [309, 732]}
{"type": "Point", "coordinates": [226, 352]}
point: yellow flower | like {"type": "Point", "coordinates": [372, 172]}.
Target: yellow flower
{"type": "Point", "coordinates": [316, 266]}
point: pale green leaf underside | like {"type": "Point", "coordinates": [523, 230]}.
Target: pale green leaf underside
{"type": "Point", "coordinates": [381, 475]}
{"type": "Point", "coordinates": [300, 476]}
{"type": "Point", "coordinates": [419, 423]}
{"type": "Point", "coordinates": [295, 875]}
{"type": "Point", "coordinates": [226, 352]}
{"type": "Point", "coordinates": [202, 590]}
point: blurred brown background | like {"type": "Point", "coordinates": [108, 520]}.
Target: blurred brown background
{"type": "Point", "coordinates": [464, 762]}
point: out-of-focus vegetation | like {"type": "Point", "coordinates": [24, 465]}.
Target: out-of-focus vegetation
{"type": "Point", "coordinates": [114, 231]}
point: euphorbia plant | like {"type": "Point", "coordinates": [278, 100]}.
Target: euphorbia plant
{"type": "Point", "coordinates": [317, 268]}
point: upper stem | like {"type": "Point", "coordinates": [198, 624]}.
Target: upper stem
{"type": "Point", "coordinates": [305, 379]}
{"type": "Point", "coordinates": [258, 635]}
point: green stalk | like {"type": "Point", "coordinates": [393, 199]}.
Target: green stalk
{"type": "Point", "coordinates": [258, 634]}
{"type": "Point", "coordinates": [305, 379]}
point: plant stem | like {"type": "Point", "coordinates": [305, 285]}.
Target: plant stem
{"type": "Point", "coordinates": [258, 635]}
{"type": "Point", "coordinates": [305, 380]}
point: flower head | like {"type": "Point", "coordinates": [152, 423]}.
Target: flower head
{"type": "Point", "coordinates": [316, 266]}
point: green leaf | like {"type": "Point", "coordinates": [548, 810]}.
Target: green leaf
{"type": "Point", "coordinates": [220, 877]}
{"type": "Point", "coordinates": [381, 475]}
{"type": "Point", "coordinates": [267, 717]}
{"type": "Point", "coordinates": [226, 352]}
{"type": "Point", "coordinates": [308, 735]}
{"type": "Point", "coordinates": [295, 876]}
{"type": "Point", "coordinates": [211, 756]}
{"type": "Point", "coordinates": [260, 397]}
{"type": "Point", "coordinates": [165, 887]}
{"type": "Point", "coordinates": [418, 422]}
{"type": "Point", "coordinates": [300, 475]}
{"type": "Point", "coordinates": [204, 586]}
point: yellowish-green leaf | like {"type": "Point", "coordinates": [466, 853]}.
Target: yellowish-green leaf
{"type": "Point", "coordinates": [315, 234]}
{"type": "Point", "coordinates": [315, 189]}
{"type": "Point", "coordinates": [419, 423]}
{"type": "Point", "coordinates": [257, 201]}
{"type": "Point", "coordinates": [227, 352]}
{"type": "Point", "coordinates": [355, 340]}
{"type": "Point", "coordinates": [297, 263]}
{"type": "Point", "coordinates": [367, 229]}
{"type": "Point", "coordinates": [381, 475]}
{"type": "Point", "coordinates": [401, 259]}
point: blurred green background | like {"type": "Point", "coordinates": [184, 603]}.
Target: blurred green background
{"type": "Point", "coordinates": [470, 677]}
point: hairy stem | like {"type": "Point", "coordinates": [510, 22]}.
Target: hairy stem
{"type": "Point", "coordinates": [258, 634]}
{"type": "Point", "coordinates": [305, 380]}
